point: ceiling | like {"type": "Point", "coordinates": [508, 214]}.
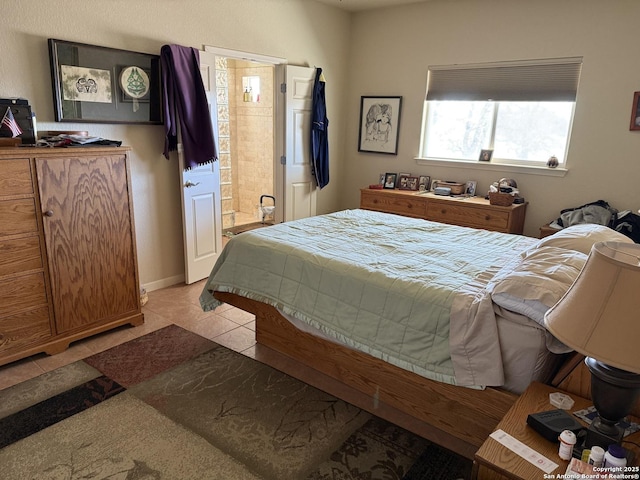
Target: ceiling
{"type": "Point", "coordinates": [360, 5]}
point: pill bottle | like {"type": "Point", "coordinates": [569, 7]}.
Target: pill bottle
{"type": "Point", "coordinates": [567, 441]}
{"type": "Point", "coordinates": [596, 457]}
{"type": "Point", "coordinates": [616, 456]}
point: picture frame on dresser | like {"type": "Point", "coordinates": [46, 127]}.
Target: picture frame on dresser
{"type": "Point", "coordinates": [390, 180]}
{"type": "Point", "coordinates": [94, 84]}
{"type": "Point", "coordinates": [424, 183]}
{"type": "Point", "coordinates": [635, 112]}
{"type": "Point", "coordinates": [379, 124]}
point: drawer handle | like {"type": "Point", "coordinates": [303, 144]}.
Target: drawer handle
{"type": "Point", "coordinates": [48, 213]}
{"type": "Point", "coordinates": [488, 217]}
{"type": "Point", "coordinates": [443, 211]}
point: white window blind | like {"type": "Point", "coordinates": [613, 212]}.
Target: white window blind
{"type": "Point", "coordinates": [532, 80]}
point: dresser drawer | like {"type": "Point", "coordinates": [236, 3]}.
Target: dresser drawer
{"type": "Point", "coordinates": [15, 177]}
{"type": "Point", "coordinates": [24, 329]}
{"type": "Point", "coordinates": [465, 215]}
{"type": "Point", "coordinates": [20, 255]}
{"type": "Point", "coordinates": [22, 292]}
{"type": "Point", "coordinates": [18, 216]}
{"type": "Point", "coordinates": [406, 205]}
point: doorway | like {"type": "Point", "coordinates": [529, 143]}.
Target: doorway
{"type": "Point", "coordinates": [246, 113]}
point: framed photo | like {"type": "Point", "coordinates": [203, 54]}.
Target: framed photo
{"type": "Point", "coordinates": [423, 183]}
{"type": "Point", "coordinates": [434, 184]}
{"type": "Point", "coordinates": [485, 155]}
{"type": "Point", "coordinates": [470, 189]}
{"type": "Point", "coordinates": [408, 183]}
{"type": "Point", "coordinates": [390, 180]}
{"type": "Point", "coordinates": [400, 175]}
{"type": "Point", "coordinates": [381, 179]}
{"type": "Point", "coordinates": [635, 112]}
{"type": "Point", "coordinates": [95, 84]}
{"type": "Point", "coordinates": [379, 124]}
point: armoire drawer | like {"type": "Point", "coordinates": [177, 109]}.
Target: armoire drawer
{"type": "Point", "coordinates": [24, 329]}
{"type": "Point", "coordinates": [20, 255]}
{"type": "Point", "coordinates": [15, 177]}
{"type": "Point", "coordinates": [19, 293]}
{"type": "Point", "coordinates": [18, 216]}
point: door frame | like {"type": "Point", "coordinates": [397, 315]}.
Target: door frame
{"type": "Point", "coordinates": [279, 115]}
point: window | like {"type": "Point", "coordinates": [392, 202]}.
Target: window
{"type": "Point", "coordinates": [521, 110]}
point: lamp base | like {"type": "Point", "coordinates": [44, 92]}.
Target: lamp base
{"type": "Point", "coordinates": [597, 437]}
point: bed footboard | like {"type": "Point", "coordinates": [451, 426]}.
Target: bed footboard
{"type": "Point", "coordinates": [457, 418]}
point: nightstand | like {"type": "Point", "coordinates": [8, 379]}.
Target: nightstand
{"type": "Point", "coordinates": [493, 461]}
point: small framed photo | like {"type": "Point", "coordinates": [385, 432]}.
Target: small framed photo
{"type": "Point", "coordinates": [434, 185]}
{"type": "Point", "coordinates": [379, 124]}
{"type": "Point", "coordinates": [381, 179]}
{"type": "Point", "coordinates": [470, 189]}
{"type": "Point", "coordinates": [400, 175]}
{"type": "Point", "coordinates": [635, 112]}
{"type": "Point", "coordinates": [390, 180]}
{"type": "Point", "coordinates": [485, 155]}
{"type": "Point", "coordinates": [423, 183]}
{"type": "Point", "coordinates": [406, 182]}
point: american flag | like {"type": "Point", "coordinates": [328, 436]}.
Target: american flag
{"type": "Point", "coordinates": [10, 122]}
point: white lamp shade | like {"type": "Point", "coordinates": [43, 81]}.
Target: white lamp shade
{"type": "Point", "coordinates": [599, 316]}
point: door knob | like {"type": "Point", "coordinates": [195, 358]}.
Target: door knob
{"type": "Point", "coordinates": [189, 184]}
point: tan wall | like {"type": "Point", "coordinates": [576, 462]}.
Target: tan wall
{"type": "Point", "coordinates": [391, 50]}
{"type": "Point", "coordinates": [292, 29]}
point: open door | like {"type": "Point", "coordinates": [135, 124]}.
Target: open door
{"type": "Point", "coordinates": [201, 200]}
{"type": "Point", "coordinates": [299, 183]}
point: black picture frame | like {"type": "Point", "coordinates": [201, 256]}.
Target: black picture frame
{"type": "Point", "coordinates": [635, 112]}
{"type": "Point", "coordinates": [485, 155]}
{"type": "Point", "coordinates": [424, 182]}
{"type": "Point", "coordinates": [390, 180]}
{"type": "Point", "coordinates": [94, 84]}
{"type": "Point", "coordinates": [379, 124]}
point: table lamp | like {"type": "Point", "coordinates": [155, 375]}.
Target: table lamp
{"type": "Point", "coordinates": [599, 316]}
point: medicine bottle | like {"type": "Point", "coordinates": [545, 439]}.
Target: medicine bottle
{"type": "Point", "coordinates": [616, 456]}
{"type": "Point", "coordinates": [596, 457]}
{"type": "Point", "coordinates": [567, 441]}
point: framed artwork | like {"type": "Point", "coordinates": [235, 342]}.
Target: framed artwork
{"type": "Point", "coordinates": [379, 124]}
{"type": "Point", "coordinates": [95, 84]}
{"type": "Point", "coordinates": [381, 179]}
{"type": "Point", "coordinates": [470, 189]}
{"type": "Point", "coordinates": [485, 155]}
{"type": "Point", "coordinates": [390, 180]}
{"type": "Point", "coordinates": [434, 184]}
{"type": "Point", "coordinates": [635, 112]}
{"type": "Point", "coordinates": [423, 183]}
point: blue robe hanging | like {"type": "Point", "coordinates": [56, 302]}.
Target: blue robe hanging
{"type": "Point", "coordinates": [320, 132]}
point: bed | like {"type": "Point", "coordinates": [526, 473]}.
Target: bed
{"type": "Point", "coordinates": [432, 326]}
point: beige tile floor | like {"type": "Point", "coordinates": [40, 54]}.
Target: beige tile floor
{"type": "Point", "coordinates": [179, 305]}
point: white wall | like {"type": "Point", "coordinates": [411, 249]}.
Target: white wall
{"type": "Point", "coordinates": [303, 32]}
{"type": "Point", "coordinates": [392, 49]}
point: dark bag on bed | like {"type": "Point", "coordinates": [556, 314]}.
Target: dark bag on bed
{"type": "Point", "coordinates": [628, 224]}
{"type": "Point", "coordinates": [599, 212]}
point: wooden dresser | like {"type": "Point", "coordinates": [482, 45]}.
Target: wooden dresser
{"type": "Point", "coordinates": [68, 265]}
{"type": "Point", "coordinates": [473, 212]}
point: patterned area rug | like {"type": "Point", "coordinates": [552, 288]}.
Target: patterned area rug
{"type": "Point", "coordinates": [173, 405]}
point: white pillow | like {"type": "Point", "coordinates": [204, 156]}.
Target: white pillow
{"type": "Point", "coordinates": [537, 283]}
{"type": "Point", "coordinates": [581, 237]}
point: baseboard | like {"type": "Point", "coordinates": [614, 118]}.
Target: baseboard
{"type": "Point", "coordinates": [163, 283]}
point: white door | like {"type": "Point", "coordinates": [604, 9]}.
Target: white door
{"type": "Point", "coordinates": [201, 200]}
{"type": "Point", "coordinates": [299, 183]}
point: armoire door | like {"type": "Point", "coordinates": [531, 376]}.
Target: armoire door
{"type": "Point", "coordinates": [89, 238]}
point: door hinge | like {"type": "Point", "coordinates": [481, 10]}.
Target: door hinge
{"type": "Point", "coordinates": [283, 160]}
{"type": "Point", "coordinates": [283, 88]}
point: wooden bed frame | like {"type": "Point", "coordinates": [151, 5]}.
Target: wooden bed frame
{"type": "Point", "coordinates": [456, 418]}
